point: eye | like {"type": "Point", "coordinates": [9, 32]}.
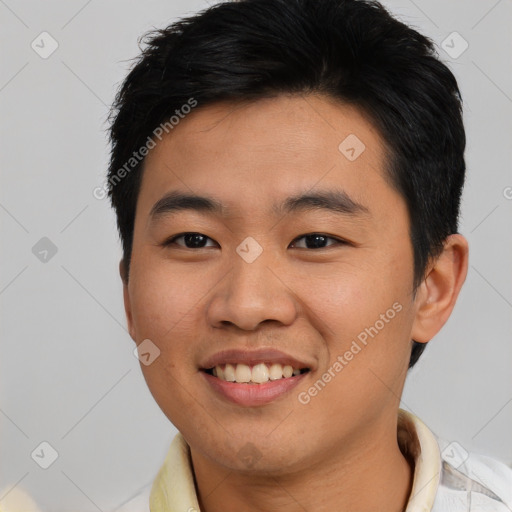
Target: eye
{"type": "Point", "coordinates": [191, 240]}
{"type": "Point", "coordinates": [316, 240]}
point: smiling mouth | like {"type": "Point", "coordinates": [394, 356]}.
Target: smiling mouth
{"type": "Point", "coordinates": [255, 374]}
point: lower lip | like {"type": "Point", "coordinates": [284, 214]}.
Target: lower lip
{"type": "Point", "coordinates": [253, 394]}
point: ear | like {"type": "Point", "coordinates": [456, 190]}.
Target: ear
{"type": "Point", "coordinates": [437, 294]}
{"type": "Point", "coordinates": [126, 297]}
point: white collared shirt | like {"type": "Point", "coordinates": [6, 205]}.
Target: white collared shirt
{"type": "Point", "coordinates": [445, 480]}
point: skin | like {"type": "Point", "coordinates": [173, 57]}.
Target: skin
{"type": "Point", "coordinates": [308, 302]}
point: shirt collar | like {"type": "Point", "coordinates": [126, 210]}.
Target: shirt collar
{"type": "Point", "coordinates": [417, 441]}
{"type": "Point", "coordinates": [174, 487]}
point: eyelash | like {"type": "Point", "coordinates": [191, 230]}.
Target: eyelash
{"type": "Point", "coordinates": [172, 240]}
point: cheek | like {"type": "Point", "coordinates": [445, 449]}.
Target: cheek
{"type": "Point", "coordinates": [367, 366]}
{"type": "Point", "coordinates": [163, 298]}
{"type": "Point", "coordinates": [164, 305]}
{"type": "Point", "coordinates": [349, 297]}
{"type": "Point", "coordinates": [365, 312]}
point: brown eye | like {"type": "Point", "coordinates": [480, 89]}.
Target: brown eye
{"type": "Point", "coordinates": [316, 241]}
{"type": "Point", "coordinates": [190, 240]}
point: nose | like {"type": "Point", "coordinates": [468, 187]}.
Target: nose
{"type": "Point", "coordinates": [252, 293]}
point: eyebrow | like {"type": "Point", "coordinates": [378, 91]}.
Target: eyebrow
{"type": "Point", "coordinates": [337, 201]}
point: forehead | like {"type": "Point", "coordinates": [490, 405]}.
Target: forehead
{"type": "Point", "coordinates": [247, 153]}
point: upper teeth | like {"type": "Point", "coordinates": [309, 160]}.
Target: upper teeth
{"type": "Point", "coordinates": [258, 374]}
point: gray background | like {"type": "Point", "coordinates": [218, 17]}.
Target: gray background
{"type": "Point", "coordinates": [68, 374]}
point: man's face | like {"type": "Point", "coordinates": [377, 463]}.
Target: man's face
{"type": "Point", "coordinates": [337, 306]}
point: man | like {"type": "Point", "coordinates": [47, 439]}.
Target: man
{"type": "Point", "coordinates": [290, 246]}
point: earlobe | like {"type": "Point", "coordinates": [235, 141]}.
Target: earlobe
{"type": "Point", "coordinates": [437, 294]}
{"type": "Point", "coordinates": [126, 298]}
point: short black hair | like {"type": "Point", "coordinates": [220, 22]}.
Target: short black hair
{"type": "Point", "coordinates": [351, 50]}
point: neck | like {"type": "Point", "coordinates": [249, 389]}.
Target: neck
{"type": "Point", "coordinates": [370, 475]}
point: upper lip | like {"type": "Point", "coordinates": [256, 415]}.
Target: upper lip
{"type": "Point", "coordinates": [252, 357]}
